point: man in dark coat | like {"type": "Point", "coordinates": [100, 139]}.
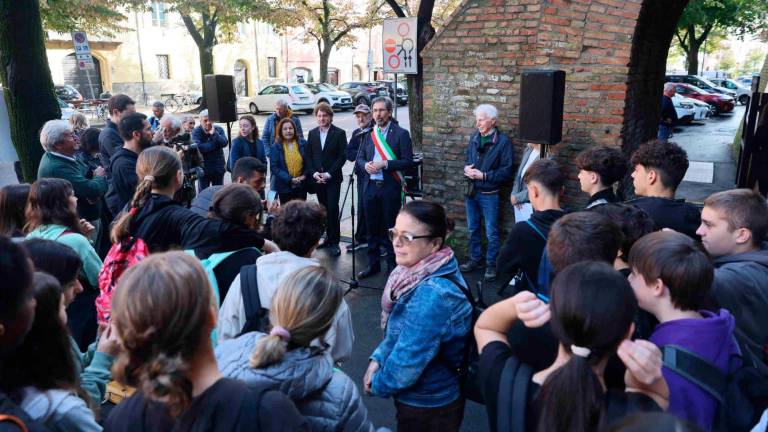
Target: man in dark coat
{"type": "Point", "coordinates": [210, 140]}
{"type": "Point", "coordinates": [135, 130]}
{"type": "Point", "coordinates": [387, 151]}
{"type": "Point", "coordinates": [324, 156]}
{"type": "Point", "coordinates": [109, 138]}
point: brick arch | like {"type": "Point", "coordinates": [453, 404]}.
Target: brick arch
{"type": "Point", "coordinates": [614, 54]}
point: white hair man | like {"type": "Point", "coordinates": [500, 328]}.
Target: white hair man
{"type": "Point", "coordinates": [210, 140]}
{"type": "Point", "coordinates": [169, 127]}
{"type": "Point", "coordinates": [269, 132]}
{"type": "Point", "coordinates": [487, 169]}
{"type": "Point", "coordinates": [668, 112]}
{"type": "Point", "coordinates": [158, 110]}
{"type": "Point", "coordinates": [59, 161]}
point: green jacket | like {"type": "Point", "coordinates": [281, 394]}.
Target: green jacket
{"type": "Point", "coordinates": [94, 369]}
{"type": "Point", "coordinates": [88, 191]}
{"type": "Point", "coordinates": [91, 261]}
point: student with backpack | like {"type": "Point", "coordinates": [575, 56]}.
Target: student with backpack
{"type": "Point", "coordinates": [238, 205]}
{"type": "Point", "coordinates": [302, 310]}
{"type": "Point", "coordinates": [17, 313]}
{"type": "Point", "coordinates": [734, 225]}
{"type": "Point", "coordinates": [94, 365]}
{"type": "Point", "coordinates": [599, 168]}
{"type": "Point", "coordinates": [41, 375]}
{"type": "Point", "coordinates": [591, 308]}
{"type": "Point", "coordinates": [297, 230]}
{"type": "Point", "coordinates": [522, 249]}
{"type": "Point", "coordinates": [671, 277]}
{"type": "Point", "coordinates": [426, 317]}
{"type": "Point", "coordinates": [156, 223]}
{"type": "Point", "coordinates": [164, 313]}
{"type": "Point", "coordinates": [52, 215]}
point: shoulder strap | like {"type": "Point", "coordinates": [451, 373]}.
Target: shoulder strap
{"type": "Point", "coordinates": [695, 369]}
{"type": "Point", "coordinates": [464, 290]}
{"type": "Point", "coordinates": [249, 288]}
{"type": "Point", "coordinates": [535, 228]}
{"type": "Point", "coordinates": [511, 399]}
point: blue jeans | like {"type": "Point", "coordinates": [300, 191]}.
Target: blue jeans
{"type": "Point", "coordinates": [485, 206]}
{"type": "Point", "coordinates": [665, 132]}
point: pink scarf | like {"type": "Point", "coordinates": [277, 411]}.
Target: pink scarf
{"type": "Point", "coordinates": [403, 279]}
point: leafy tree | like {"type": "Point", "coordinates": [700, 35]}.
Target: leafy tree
{"type": "Point", "coordinates": [701, 17]}
{"type": "Point", "coordinates": [26, 80]}
{"type": "Point", "coordinates": [752, 62]}
{"type": "Point", "coordinates": [329, 24]}
{"type": "Point", "coordinates": [102, 17]}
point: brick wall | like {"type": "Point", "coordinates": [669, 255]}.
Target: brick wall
{"type": "Point", "coordinates": [613, 53]}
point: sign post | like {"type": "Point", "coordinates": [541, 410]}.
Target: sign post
{"type": "Point", "coordinates": [399, 48]}
{"type": "Point", "coordinates": [84, 57]}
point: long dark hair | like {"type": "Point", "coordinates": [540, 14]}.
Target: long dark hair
{"type": "Point", "coordinates": [254, 135]}
{"type": "Point", "coordinates": [13, 201]}
{"type": "Point", "coordinates": [592, 307]}
{"type": "Point", "coordinates": [44, 359]}
{"type": "Point", "coordinates": [234, 203]}
{"type": "Point", "coordinates": [54, 258]}
{"type": "Point", "coordinates": [48, 204]}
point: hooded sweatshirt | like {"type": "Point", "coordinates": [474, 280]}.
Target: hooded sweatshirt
{"type": "Point", "coordinates": [741, 286]}
{"type": "Point", "coordinates": [524, 246]}
{"type": "Point", "coordinates": [60, 410]}
{"type": "Point", "coordinates": [272, 270]}
{"type": "Point", "coordinates": [711, 337]}
{"type": "Point", "coordinates": [91, 261]}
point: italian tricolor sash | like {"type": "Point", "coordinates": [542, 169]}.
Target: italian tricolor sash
{"type": "Point", "coordinates": [384, 151]}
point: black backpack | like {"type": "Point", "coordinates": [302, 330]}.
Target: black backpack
{"type": "Point", "coordinates": [468, 373]}
{"type": "Point", "coordinates": [512, 398]}
{"type": "Point", "coordinates": [742, 395]}
{"type": "Point", "coordinates": [256, 317]}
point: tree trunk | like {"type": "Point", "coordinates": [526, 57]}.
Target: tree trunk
{"type": "Point", "coordinates": [692, 59]}
{"type": "Point", "coordinates": [416, 84]}
{"type": "Point", "coordinates": [325, 55]}
{"type": "Point", "coordinates": [206, 68]}
{"type": "Point", "coordinates": [26, 78]}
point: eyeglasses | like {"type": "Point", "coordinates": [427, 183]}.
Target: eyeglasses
{"type": "Point", "coordinates": [406, 237]}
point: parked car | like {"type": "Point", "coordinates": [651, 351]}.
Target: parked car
{"type": "Point", "coordinates": [67, 109]}
{"type": "Point", "coordinates": [742, 92]}
{"type": "Point", "coordinates": [67, 93]}
{"type": "Point", "coordinates": [329, 94]}
{"type": "Point", "coordinates": [746, 80]}
{"type": "Point", "coordinates": [363, 91]}
{"type": "Point", "coordinates": [298, 96]}
{"type": "Point", "coordinates": [721, 102]}
{"type": "Point", "coordinates": [689, 109]}
{"type": "Point", "coordinates": [402, 91]}
{"type": "Point", "coordinates": [701, 83]}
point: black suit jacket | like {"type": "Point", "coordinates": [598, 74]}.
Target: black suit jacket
{"type": "Point", "coordinates": [399, 141]}
{"type": "Point", "coordinates": [328, 159]}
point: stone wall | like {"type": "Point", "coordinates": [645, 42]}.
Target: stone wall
{"type": "Point", "coordinates": [613, 53]}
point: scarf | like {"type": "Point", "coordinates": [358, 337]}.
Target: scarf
{"type": "Point", "coordinates": [404, 279]}
{"type": "Point", "coordinates": [293, 160]}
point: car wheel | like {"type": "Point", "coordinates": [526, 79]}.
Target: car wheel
{"type": "Point", "coordinates": [253, 108]}
{"type": "Point", "coordinates": [744, 99]}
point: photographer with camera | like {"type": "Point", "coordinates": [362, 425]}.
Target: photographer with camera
{"type": "Point", "coordinates": [488, 168]}
{"type": "Point", "coordinates": [169, 134]}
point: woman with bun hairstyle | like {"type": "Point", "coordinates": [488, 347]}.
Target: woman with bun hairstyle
{"type": "Point", "coordinates": [426, 319]}
{"type": "Point", "coordinates": [591, 313]}
{"type": "Point", "coordinates": [164, 224]}
{"type": "Point", "coordinates": [163, 315]}
{"type": "Point", "coordinates": [302, 311]}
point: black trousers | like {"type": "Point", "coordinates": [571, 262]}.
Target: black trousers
{"type": "Point", "coordinates": [206, 180]}
{"type": "Point", "coordinates": [328, 196]}
{"type": "Point", "coordinates": [296, 194]}
{"type": "Point", "coordinates": [446, 418]}
{"type": "Point", "coordinates": [382, 203]}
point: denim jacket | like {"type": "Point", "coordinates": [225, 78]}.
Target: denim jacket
{"type": "Point", "coordinates": [424, 342]}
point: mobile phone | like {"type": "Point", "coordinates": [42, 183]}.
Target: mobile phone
{"type": "Point", "coordinates": [542, 297]}
{"type": "Point", "coordinates": [271, 196]}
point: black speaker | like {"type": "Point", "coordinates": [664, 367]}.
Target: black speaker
{"type": "Point", "coordinates": [219, 93]}
{"type": "Point", "coordinates": [541, 106]}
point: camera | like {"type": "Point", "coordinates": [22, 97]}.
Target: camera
{"type": "Point", "coordinates": [192, 166]}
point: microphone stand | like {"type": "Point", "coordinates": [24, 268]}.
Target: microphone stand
{"type": "Point", "coordinates": [353, 282]}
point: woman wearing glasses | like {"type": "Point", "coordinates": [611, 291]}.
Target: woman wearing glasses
{"type": "Point", "coordinates": [426, 320]}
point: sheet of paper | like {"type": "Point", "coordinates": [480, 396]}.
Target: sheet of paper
{"type": "Point", "coordinates": [523, 212]}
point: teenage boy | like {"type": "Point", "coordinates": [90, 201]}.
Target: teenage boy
{"type": "Point", "coordinates": [599, 169]}
{"type": "Point", "coordinates": [659, 167]}
{"type": "Point", "coordinates": [524, 245]}
{"type": "Point", "coordinates": [733, 229]}
{"type": "Point", "coordinates": [137, 136]}
{"type": "Point", "coordinates": [671, 276]}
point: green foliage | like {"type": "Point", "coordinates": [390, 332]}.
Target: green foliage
{"type": "Point", "coordinates": [737, 17]}
{"type": "Point", "coordinates": [102, 17]}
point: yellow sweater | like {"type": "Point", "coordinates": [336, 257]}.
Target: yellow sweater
{"type": "Point", "coordinates": [293, 159]}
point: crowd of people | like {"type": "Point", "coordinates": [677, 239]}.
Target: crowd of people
{"type": "Point", "coordinates": [129, 306]}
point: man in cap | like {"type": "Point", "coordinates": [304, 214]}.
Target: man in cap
{"type": "Point", "coordinates": [364, 123]}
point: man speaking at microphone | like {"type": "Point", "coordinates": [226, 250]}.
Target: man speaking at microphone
{"type": "Point", "coordinates": [387, 152]}
{"type": "Point", "coordinates": [325, 155]}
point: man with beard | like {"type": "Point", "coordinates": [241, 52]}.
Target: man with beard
{"type": "Point", "coordinates": [137, 136]}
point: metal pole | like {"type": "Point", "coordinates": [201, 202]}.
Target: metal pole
{"type": "Point", "coordinates": [90, 85]}
{"type": "Point", "coordinates": [141, 62]}
{"type": "Point", "coordinates": [395, 97]}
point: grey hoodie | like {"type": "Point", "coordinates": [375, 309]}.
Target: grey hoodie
{"type": "Point", "coordinates": [60, 410]}
{"type": "Point", "coordinates": [741, 286]}
{"type": "Point", "coordinates": [326, 397]}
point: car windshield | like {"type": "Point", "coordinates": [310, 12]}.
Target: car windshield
{"type": "Point", "coordinates": [313, 89]}
{"type": "Point", "coordinates": [299, 89]}
{"type": "Point", "coordinates": [698, 90]}
{"type": "Point", "coordinates": [708, 82]}
{"type": "Point", "coordinates": [326, 87]}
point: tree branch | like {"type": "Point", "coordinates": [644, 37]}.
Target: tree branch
{"type": "Point", "coordinates": [682, 40]}
{"type": "Point", "coordinates": [396, 8]}
{"type": "Point", "coordinates": [193, 31]}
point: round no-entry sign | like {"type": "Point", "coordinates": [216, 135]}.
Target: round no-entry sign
{"type": "Point", "coordinates": [390, 45]}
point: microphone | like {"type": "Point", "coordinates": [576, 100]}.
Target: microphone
{"type": "Point", "coordinates": [364, 131]}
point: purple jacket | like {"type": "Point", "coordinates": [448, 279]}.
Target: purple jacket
{"type": "Point", "coordinates": [710, 337]}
